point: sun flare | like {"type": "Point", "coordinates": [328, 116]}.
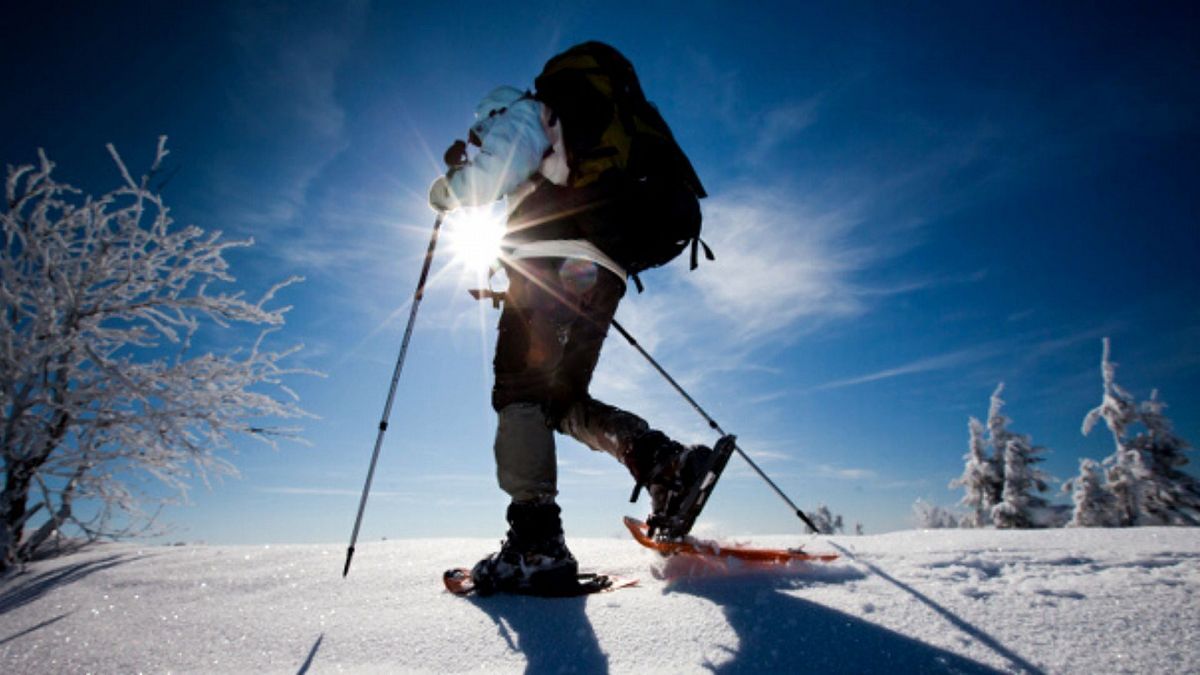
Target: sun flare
{"type": "Point", "coordinates": [474, 234]}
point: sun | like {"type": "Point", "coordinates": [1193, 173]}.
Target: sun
{"type": "Point", "coordinates": [474, 235]}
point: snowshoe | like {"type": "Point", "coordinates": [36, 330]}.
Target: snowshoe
{"type": "Point", "coordinates": [460, 581]}
{"type": "Point", "coordinates": [714, 550]}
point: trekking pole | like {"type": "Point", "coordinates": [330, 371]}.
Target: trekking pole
{"type": "Point", "coordinates": [713, 424]}
{"type": "Point", "coordinates": [387, 407]}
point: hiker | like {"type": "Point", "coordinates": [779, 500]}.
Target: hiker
{"type": "Point", "coordinates": [575, 233]}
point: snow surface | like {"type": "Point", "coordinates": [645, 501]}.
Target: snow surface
{"type": "Point", "coordinates": [967, 601]}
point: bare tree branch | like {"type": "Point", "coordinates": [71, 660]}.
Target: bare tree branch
{"type": "Point", "coordinates": [103, 302]}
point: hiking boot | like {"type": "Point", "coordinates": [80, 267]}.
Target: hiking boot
{"type": "Point", "coordinates": [679, 479]}
{"type": "Point", "coordinates": [533, 559]}
{"type": "Point", "coordinates": [666, 469]}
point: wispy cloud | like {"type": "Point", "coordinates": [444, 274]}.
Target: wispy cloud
{"type": "Point", "coordinates": [285, 108]}
{"type": "Point", "coordinates": [779, 261]}
{"type": "Point", "coordinates": [326, 492]}
{"type": "Point", "coordinates": [767, 455]}
{"type": "Point", "coordinates": [845, 473]}
{"type": "Point", "coordinates": [760, 127]}
{"type": "Point", "coordinates": [775, 126]}
{"type": "Point", "coordinates": [927, 364]}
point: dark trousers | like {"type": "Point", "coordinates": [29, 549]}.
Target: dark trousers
{"type": "Point", "coordinates": [556, 315]}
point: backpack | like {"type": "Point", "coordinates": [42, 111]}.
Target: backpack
{"type": "Point", "coordinates": [617, 140]}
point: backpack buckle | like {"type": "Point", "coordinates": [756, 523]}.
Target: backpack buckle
{"type": "Point", "coordinates": [496, 297]}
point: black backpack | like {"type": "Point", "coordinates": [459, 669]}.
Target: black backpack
{"type": "Point", "coordinates": [617, 141]}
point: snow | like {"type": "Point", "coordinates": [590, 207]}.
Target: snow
{"type": "Point", "coordinates": [967, 601]}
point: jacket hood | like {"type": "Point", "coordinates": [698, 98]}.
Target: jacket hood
{"type": "Point", "coordinates": [497, 101]}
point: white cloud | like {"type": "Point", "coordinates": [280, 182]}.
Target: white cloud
{"type": "Point", "coordinates": [931, 363]}
{"type": "Point", "coordinates": [778, 262]}
{"type": "Point", "coordinates": [767, 455]}
{"type": "Point", "coordinates": [844, 473]}
{"type": "Point", "coordinates": [777, 126]}
{"type": "Point", "coordinates": [329, 492]}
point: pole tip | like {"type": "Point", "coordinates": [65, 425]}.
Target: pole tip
{"type": "Point", "coordinates": [349, 555]}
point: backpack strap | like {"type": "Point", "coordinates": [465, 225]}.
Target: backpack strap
{"type": "Point", "coordinates": [696, 243]}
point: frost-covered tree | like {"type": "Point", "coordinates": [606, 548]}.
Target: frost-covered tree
{"type": "Point", "coordinates": [1094, 504]}
{"type": "Point", "coordinates": [980, 479]}
{"type": "Point", "coordinates": [998, 437]}
{"type": "Point", "coordinates": [1143, 473]}
{"type": "Point", "coordinates": [1118, 409]}
{"type": "Point", "coordinates": [1169, 496]}
{"type": "Point", "coordinates": [933, 517]}
{"type": "Point", "coordinates": [826, 522]}
{"type": "Point", "coordinates": [1017, 506]}
{"type": "Point", "coordinates": [101, 305]}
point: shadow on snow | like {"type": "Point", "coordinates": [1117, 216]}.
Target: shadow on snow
{"type": "Point", "coordinates": [312, 654]}
{"type": "Point", "coordinates": [554, 636]}
{"type": "Point", "coordinates": [19, 591]}
{"type": "Point", "coordinates": [778, 632]}
{"type": "Point", "coordinates": [958, 622]}
{"type": "Point", "coordinates": [33, 629]}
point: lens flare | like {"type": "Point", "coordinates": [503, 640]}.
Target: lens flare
{"type": "Point", "coordinates": [474, 234]}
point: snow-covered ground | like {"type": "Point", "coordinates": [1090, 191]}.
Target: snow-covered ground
{"type": "Point", "coordinates": [1055, 601]}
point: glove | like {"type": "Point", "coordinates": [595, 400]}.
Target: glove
{"type": "Point", "coordinates": [441, 197]}
{"type": "Point", "coordinates": [456, 155]}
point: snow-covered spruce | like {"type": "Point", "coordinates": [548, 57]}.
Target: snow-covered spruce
{"type": "Point", "coordinates": [826, 521]}
{"type": "Point", "coordinates": [933, 517]}
{"type": "Point", "coordinates": [1094, 504]}
{"type": "Point", "coordinates": [1143, 474]}
{"type": "Point", "coordinates": [999, 480]}
{"type": "Point", "coordinates": [980, 480]}
{"type": "Point", "coordinates": [101, 302]}
{"type": "Point", "coordinates": [1019, 506]}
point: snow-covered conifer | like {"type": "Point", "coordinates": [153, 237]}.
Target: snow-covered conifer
{"type": "Point", "coordinates": [933, 517]}
{"type": "Point", "coordinates": [997, 439]}
{"type": "Point", "coordinates": [1118, 409]}
{"type": "Point", "coordinates": [1169, 496]}
{"type": "Point", "coordinates": [101, 304]}
{"type": "Point", "coordinates": [826, 522]}
{"type": "Point", "coordinates": [1017, 506]}
{"type": "Point", "coordinates": [978, 480]}
{"type": "Point", "coordinates": [1143, 473]}
{"type": "Point", "coordinates": [1094, 504]}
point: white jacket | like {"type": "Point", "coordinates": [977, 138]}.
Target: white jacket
{"type": "Point", "coordinates": [517, 142]}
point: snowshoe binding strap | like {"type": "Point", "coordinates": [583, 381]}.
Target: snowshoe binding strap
{"type": "Point", "coordinates": [677, 525]}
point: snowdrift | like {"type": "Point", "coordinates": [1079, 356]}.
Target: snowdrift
{"type": "Point", "coordinates": [963, 601]}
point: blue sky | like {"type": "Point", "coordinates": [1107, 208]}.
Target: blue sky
{"type": "Point", "coordinates": [908, 206]}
